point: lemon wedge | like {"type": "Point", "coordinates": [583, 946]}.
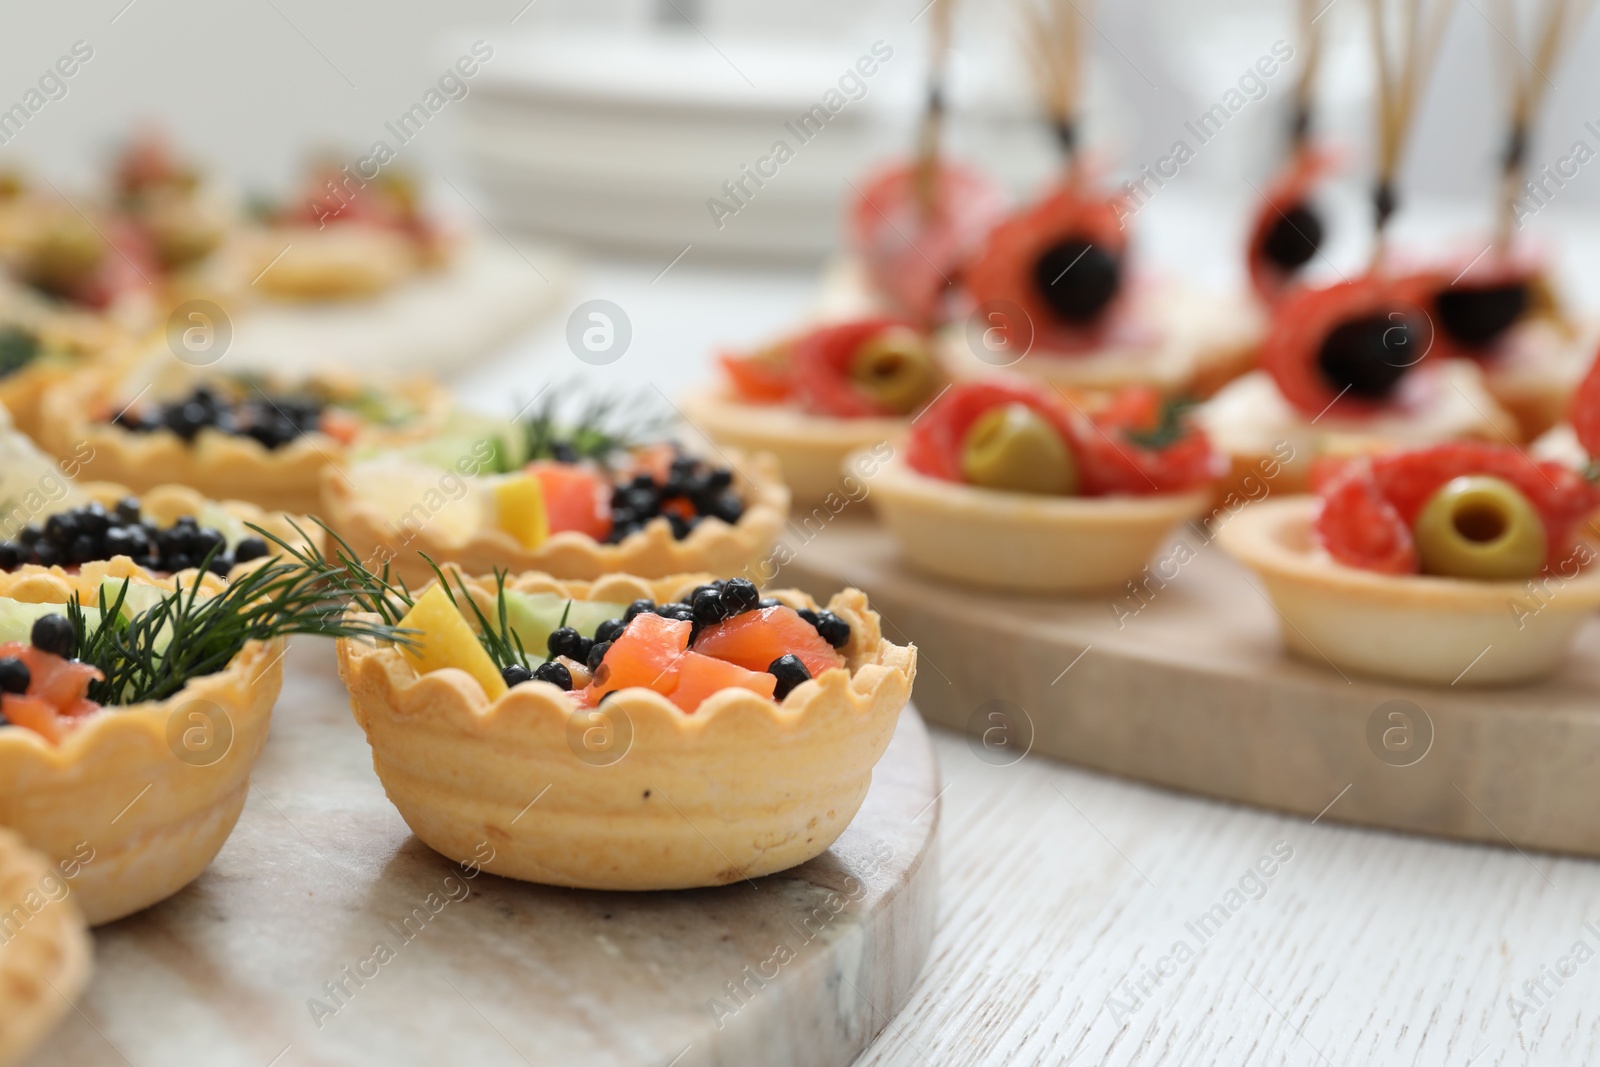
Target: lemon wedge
{"type": "Point", "coordinates": [446, 640]}
{"type": "Point", "coordinates": [519, 509]}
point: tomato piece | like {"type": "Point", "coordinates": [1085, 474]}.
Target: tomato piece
{"type": "Point", "coordinates": [699, 676]}
{"type": "Point", "coordinates": [1562, 497]}
{"type": "Point", "coordinates": [1289, 190]}
{"type": "Point", "coordinates": [343, 426]}
{"type": "Point", "coordinates": [648, 654]}
{"type": "Point", "coordinates": [575, 498]}
{"type": "Point", "coordinates": [914, 256]}
{"type": "Point", "coordinates": [1005, 269]}
{"type": "Point", "coordinates": [1360, 528]}
{"type": "Point", "coordinates": [756, 638]}
{"type": "Point", "coordinates": [1585, 411]}
{"type": "Point", "coordinates": [821, 368]}
{"type": "Point", "coordinates": [760, 378]}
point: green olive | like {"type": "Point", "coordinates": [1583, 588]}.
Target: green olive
{"type": "Point", "coordinates": [896, 370]}
{"type": "Point", "coordinates": [1013, 447]}
{"type": "Point", "coordinates": [1480, 527]}
{"type": "Point", "coordinates": [66, 251]}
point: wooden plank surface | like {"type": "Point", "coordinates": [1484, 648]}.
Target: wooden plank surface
{"type": "Point", "coordinates": [272, 956]}
{"type": "Point", "coordinates": [1184, 685]}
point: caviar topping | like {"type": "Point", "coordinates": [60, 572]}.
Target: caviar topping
{"type": "Point", "coordinates": [272, 421]}
{"type": "Point", "coordinates": [89, 533]}
{"type": "Point", "coordinates": [688, 491]}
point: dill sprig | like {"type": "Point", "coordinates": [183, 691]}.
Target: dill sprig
{"type": "Point", "coordinates": [1169, 429]}
{"type": "Point", "coordinates": [376, 592]}
{"type": "Point", "coordinates": [498, 639]}
{"type": "Point", "coordinates": [603, 427]}
{"type": "Point", "coordinates": [185, 635]}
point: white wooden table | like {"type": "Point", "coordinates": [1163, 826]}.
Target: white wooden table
{"type": "Point", "coordinates": [1066, 894]}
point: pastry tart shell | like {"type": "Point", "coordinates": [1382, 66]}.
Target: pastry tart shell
{"type": "Point", "coordinates": [740, 788]}
{"type": "Point", "coordinates": [220, 466]}
{"type": "Point", "coordinates": [811, 449]}
{"type": "Point", "coordinates": [44, 948]}
{"type": "Point", "coordinates": [1409, 628]}
{"type": "Point", "coordinates": [144, 786]}
{"type": "Point", "coordinates": [344, 261]}
{"type": "Point", "coordinates": [712, 546]}
{"type": "Point", "coordinates": [1022, 542]}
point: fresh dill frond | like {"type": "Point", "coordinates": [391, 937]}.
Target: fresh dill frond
{"type": "Point", "coordinates": [602, 428]}
{"type": "Point", "coordinates": [186, 635]}
{"type": "Point", "coordinates": [1169, 429]}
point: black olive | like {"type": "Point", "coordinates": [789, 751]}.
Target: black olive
{"type": "Point", "coordinates": [1077, 279]}
{"type": "Point", "coordinates": [1293, 238]}
{"type": "Point", "coordinates": [1475, 316]}
{"type": "Point", "coordinates": [1368, 356]}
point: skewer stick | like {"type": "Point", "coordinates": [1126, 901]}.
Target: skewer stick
{"type": "Point", "coordinates": [929, 135]}
{"type": "Point", "coordinates": [1304, 89]}
{"type": "Point", "coordinates": [1056, 54]}
{"type": "Point", "coordinates": [1398, 95]}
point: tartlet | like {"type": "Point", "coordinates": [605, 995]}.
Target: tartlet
{"type": "Point", "coordinates": [968, 500]}
{"type": "Point", "coordinates": [77, 414]}
{"type": "Point", "coordinates": [45, 953]}
{"type": "Point", "coordinates": [41, 346]}
{"type": "Point", "coordinates": [480, 547]}
{"type": "Point", "coordinates": [741, 787]}
{"type": "Point", "coordinates": [1456, 564]}
{"type": "Point", "coordinates": [816, 397]}
{"type": "Point", "coordinates": [1412, 628]}
{"type": "Point", "coordinates": [154, 820]}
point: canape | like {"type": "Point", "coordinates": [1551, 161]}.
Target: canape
{"type": "Point", "coordinates": [1054, 295]}
{"type": "Point", "coordinates": [345, 238]}
{"type": "Point", "coordinates": [44, 947]}
{"type": "Point", "coordinates": [576, 500]}
{"type": "Point", "coordinates": [1460, 564]}
{"type": "Point", "coordinates": [1006, 486]}
{"type": "Point", "coordinates": [183, 217]}
{"type": "Point", "coordinates": [815, 398]}
{"type": "Point", "coordinates": [1347, 368]}
{"type": "Point", "coordinates": [85, 261]}
{"type": "Point", "coordinates": [232, 436]}
{"type": "Point", "coordinates": [41, 345]}
{"type": "Point", "coordinates": [139, 746]}
{"type": "Point", "coordinates": [708, 735]}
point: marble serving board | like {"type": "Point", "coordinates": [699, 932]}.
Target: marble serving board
{"type": "Point", "coordinates": [325, 933]}
{"type": "Point", "coordinates": [1186, 685]}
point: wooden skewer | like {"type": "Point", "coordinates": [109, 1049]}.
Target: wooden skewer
{"type": "Point", "coordinates": [1398, 95]}
{"type": "Point", "coordinates": [1304, 89]}
{"type": "Point", "coordinates": [1056, 54]}
{"type": "Point", "coordinates": [929, 135]}
{"type": "Point", "coordinates": [1560, 22]}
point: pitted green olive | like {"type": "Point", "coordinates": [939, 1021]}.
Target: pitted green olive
{"type": "Point", "coordinates": [896, 370]}
{"type": "Point", "coordinates": [1013, 447]}
{"type": "Point", "coordinates": [66, 251]}
{"type": "Point", "coordinates": [1480, 527]}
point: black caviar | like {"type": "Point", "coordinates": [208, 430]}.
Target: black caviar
{"type": "Point", "coordinates": [90, 533]}
{"type": "Point", "coordinates": [790, 672]}
{"type": "Point", "coordinates": [274, 421]}
{"type": "Point", "coordinates": [693, 490]}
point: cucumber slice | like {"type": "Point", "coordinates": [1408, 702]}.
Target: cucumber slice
{"type": "Point", "coordinates": [473, 443]}
{"type": "Point", "coordinates": [534, 616]}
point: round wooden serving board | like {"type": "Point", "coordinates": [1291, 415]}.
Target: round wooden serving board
{"type": "Point", "coordinates": [261, 961]}
{"type": "Point", "coordinates": [1189, 688]}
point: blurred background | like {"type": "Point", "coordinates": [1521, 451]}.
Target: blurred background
{"type": "Point", "coordinates": [605, 126]}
